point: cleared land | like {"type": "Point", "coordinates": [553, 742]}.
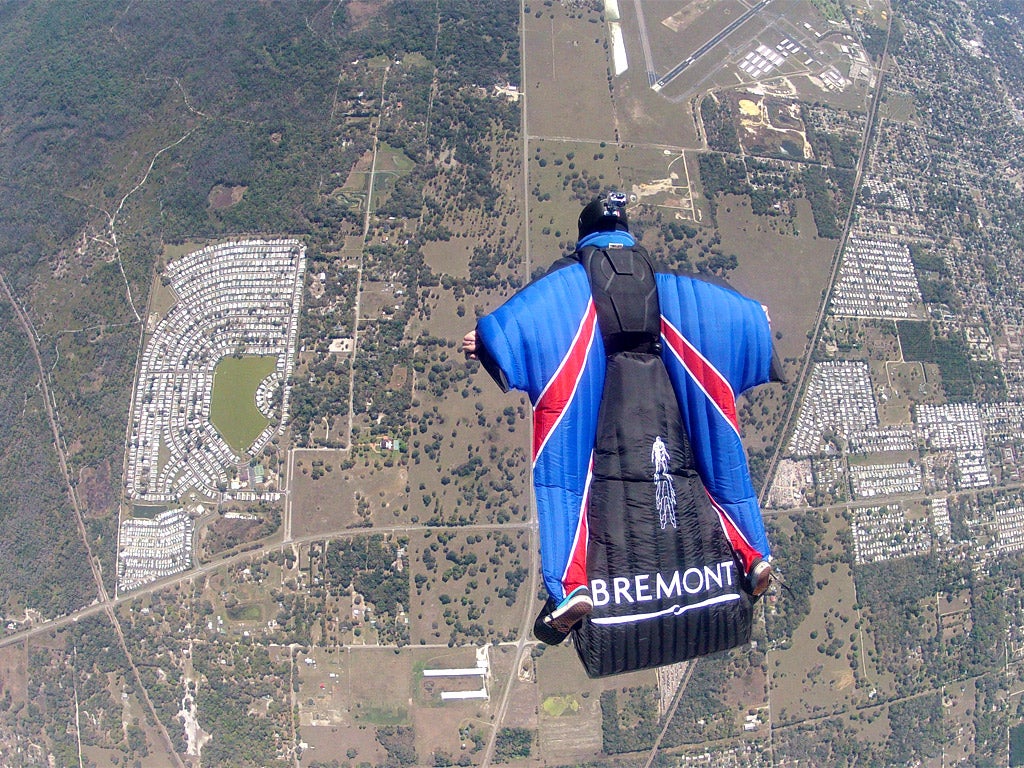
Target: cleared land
{"type": "Point", "coordinates": [565, 74]}
{"type": "Point", "coordinates": [786, 272]}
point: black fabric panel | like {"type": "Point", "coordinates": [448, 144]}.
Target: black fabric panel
{"type": "Point", "coordinates": [639, 566]}
{"type": "Point", "coordinates": [626, 297]}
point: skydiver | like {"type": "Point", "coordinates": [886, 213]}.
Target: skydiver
{"type": "Point", "coordinates": [545, 340]}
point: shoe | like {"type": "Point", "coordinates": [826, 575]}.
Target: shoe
{"type": "Point", "coordinates": [543, 631]}
{"type": "Point", "coordinates": [760, 577]}
{"type": "Point", "coordinates": [571, 611]}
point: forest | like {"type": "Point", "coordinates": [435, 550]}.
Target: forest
{"type": "Point", "coordinates": [184, 107]}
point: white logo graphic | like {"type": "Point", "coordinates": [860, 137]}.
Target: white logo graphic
{"type": "Point", "coordinates": [675, 610]}
{"type": "Point", "coordinates": [664, 490]}
{"type": "Point", "coordinates": [715, 583]}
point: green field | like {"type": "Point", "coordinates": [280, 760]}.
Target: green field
{"type": "Point", "coordinates": [233, 402]}
{"type": "Point", "coordinates": [247, 612]}
{"type": "Point", "coordinates": [556, 706]}
{"type": "Point", "coordinates": [148, 511]}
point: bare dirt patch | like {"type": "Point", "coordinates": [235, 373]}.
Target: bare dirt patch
{"type": "Point", "coordinates": [449, 257]}
{"type": "Point", "coordinates": [359, 12]}
{"type": "Point", "coordinates": [95, 489]}
{"type": "Point", "coordinates": [683, 18]}
{"type": "Point", "coordinates": [770, 127]}
{"type": "Point", "coordinates": [222, 197]}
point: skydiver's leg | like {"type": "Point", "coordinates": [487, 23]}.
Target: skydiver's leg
{"type": "Point", "coordinates": [754, 564]}
{"type": "Point", "coordinates": [661, 500]}
{"type": "Point", "coordinates": [574, 574]}
{"type": "Point", "coordinates": [576, 601]}
{"type": "Point", "coordinates": [745, 552]}
{"type": "Point", "coordinates": [564, 537]}
{"type": "Point", "coordinates": [564, 549]}
{"type": "Point", "coordinates": [563, 544]}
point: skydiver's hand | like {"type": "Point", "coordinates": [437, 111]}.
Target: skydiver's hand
{"type": "Point", "coordinates": [469, 345]}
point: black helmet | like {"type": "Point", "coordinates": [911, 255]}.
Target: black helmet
{"type": "Point", "coordinates": [604, 214]}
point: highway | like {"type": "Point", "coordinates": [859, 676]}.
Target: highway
{"type": "Point", "coordinates": [503, 699]}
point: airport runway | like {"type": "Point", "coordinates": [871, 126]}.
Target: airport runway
{"type": "Point", "coordinates": [709, 45]}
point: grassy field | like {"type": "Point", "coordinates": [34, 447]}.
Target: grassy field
{"type": "Point", "coordinates": [783, 271]}
{"type": "Point", "coordinates": [161, 299]}
{"type": "Point", "coordinates": [174, 251]}
{"type": "Point", "coordinates": [557, 169]}
{"type": "Point", "coordinates": [391, 163]}
{"type": "Point", "coordinates": [574, 735]}
{"type": "Point", "coordinates": [328, 496]}
{"type": "Point", "coordinates": [325, 708]}
{"type": "Point", "coordinates": [449, 258]}
{"type": "Point", "coordinates": [148, 511]}
{"type": "Point", "coordinates": [817, 676]}
{"type": "Point", "coordinates": [565, 77]}
{"type": "Point", "coordinates": [352, 693]}
{"type": "Point", "coordinates": [233, 401]}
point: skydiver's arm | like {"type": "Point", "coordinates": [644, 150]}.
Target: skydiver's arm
{"type": "Point", "coordinates": [777, 372]}
{"type": "Point", "coordinates": [474, 349]}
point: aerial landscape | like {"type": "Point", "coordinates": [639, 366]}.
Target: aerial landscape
{"type": "Point", "coordinates": [257, 509]}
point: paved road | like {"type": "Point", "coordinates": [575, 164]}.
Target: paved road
{"type": "Point", "coordinates": [527, 624]}
{"type": "Point", "coordinates": [800, 380]}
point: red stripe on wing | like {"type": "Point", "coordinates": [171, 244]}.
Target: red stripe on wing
{"type": "Point", "coordinates": [703, 373]}
{"type": "Point", "coordinates": [743, 548]}
{"type": "Point", "coordinates": [559, 392]}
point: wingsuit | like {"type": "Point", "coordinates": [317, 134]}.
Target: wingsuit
{"type": "Point", "coordinates": [649, 523]}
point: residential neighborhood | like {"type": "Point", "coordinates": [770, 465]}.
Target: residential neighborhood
{"type": "Point", "coordinates": [238, 298]}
